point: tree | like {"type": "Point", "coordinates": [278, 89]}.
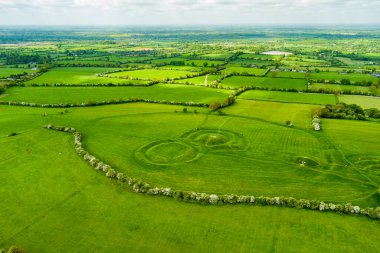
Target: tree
{"type": "Point", "coordinates": [184, 110]}
{"type": "Point", "coordinates": [345, 82]}
{"type": "Point", "coordinates": [215, 105]}
{"type": "Point", "coordinates": [205, 64]}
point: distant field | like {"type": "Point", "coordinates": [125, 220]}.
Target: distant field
{"type": "Point", "coordinates": [154, 74]}
{"type": "Point", "coordinates": [353, 77]}
{"type": "Point", "coordinates": [264, 82]}
{"type": "Point", "coordinates": [172, 92]}
{"type": "Point", "coordinates": [288, 74]}
{"type": "Point", "coordinates": [199, 80]}
{"type": "Point", "coordinates": [363, 101]}
{"type": "Point", "coordinates": [339, 87]}
{"type": "Point", "coordinates": [289, 97]}
{"type": "Point", "coordinates": [251, 71]}
{"type": "Point", "coordinates": [80, 75]}
{"type": "Point", "coordinates": [6, 72]}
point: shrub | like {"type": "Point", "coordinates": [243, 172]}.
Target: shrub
{"type": "Point", "coordinates": [213, 199]}
{"type": "Point", "coordinates": [16, 249]}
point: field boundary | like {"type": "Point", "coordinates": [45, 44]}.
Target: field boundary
{"type": "Point", "coordinates": [211, 199]}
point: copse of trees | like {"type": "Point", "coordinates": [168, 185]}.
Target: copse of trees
{"type": "Point", "coordinates": [345, 111]}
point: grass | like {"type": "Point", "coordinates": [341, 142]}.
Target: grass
{"type": "Point", "coordinates": [353, 77]}
{"type": "Point", "coordinates": [199, 80]}
{"type": "Point", "coordinates": [6, 72]}
{"type": "Point", "coordinates": [79, 75]}
{"type": "Point", "coordinates": [76, 209]}
{"type": "Point", "coordinates": [67, 207]}
{"type": "Point", "coordinates": [364, 101]}
{"type": "Point", "coordinates": [264, 82]}
{"type": "Point", "coordinates": [339, 87]}
{"type": "Point", "coordinates": [154, 74]}
{"type": "Point", "coordinates": [289, 97]}
{"type": "Point", "coordinates": [287, 74]}
{"type": "Point", "coordinates": [172, 92]}
{"type": "Point", "coordinates": [251, 71]}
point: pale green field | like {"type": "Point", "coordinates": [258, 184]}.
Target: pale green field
{"type": "Point", "coordinates": [364, 101]}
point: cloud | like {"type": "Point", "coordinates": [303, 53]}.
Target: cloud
{"type": "Point", "coordinates": [189, 11]}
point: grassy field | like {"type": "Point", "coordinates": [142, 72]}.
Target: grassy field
{"type": "Point", "coordinates": [264, 82]}
{"type": "Point", "coordinates": [172, 92]}
{"type": "Point", "coordinates": [353, 77]}
{"type": "Point", "coordinates": [363, 101]}
{"type": "Point", "coordinates": [261, 142]}
{"type": "Point", "coordinates": [289, 97]}
{"type": "Point", "coordinates": [339, 87]}
{"type": "Point", "coordinates": [199, 80]}
{"type": "Point", "coordinates": [251, 71]}
{"type": "Point", "coordinates": [6, 72]}
{"type": "Point", "coordinates": [154, 74]}
{"type": "Point", "coordinates": [287, 74]}
{"type": "Point", "coordinates": [77, 208]}
{"type": "Point", "coordinates": [83, 75]}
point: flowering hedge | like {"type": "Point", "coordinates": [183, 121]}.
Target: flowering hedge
{"type": "Point", "coordinates": [97, 103]}
{"type": "Point", "coordinates": [210, 199]}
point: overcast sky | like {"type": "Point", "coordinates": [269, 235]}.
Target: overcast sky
{"type": "Point", "coordinates": [177, 12]}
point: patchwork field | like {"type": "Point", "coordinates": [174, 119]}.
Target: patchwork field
{"type": "Point", "coordinates": [116, 145]}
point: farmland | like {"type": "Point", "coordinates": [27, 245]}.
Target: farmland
{"type": "Point", "coordinates": [192, 141]}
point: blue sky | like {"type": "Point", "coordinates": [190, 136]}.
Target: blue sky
{"type": "Point", "coordinates": [177, 12]}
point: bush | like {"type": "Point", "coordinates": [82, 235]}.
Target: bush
{"type": "Point", "coordinates": [16, 249]}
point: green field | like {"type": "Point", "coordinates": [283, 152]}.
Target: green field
{"type": "Point", "coordinates": [199, 80]}
{"type": "Point", "coordinates": [77, 208]}
{"type": "Point", "coordinates": [57, 95]}
{"type": "Point", "coordinates": [241, 70]}
{"type": "Point", "coordinates": [353, 77]}
{"type": "Point", "coordinates": [264, 82]}
{"type": "Point", "coordinates": [340, 87]}
{"type": "Point", "coordinates": [363, 101]}
{"type": "Point", "coordinates": [258, 161]}
{"type": "Point", "coordinates": [289, 97]}
{"type": "Point", "coordinates": [154, 74]}
{"type": "Point", "coordinates": [79, 76]}
{"type": "Point", "coordinates": [6, 72]}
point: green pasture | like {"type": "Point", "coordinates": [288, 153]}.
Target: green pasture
{"type": "Point", "coordinates": [289, 97]}
{"type": "Point", "coordinates": [264, 82]}
{"type": "Point", "coordinates": [242, 70]}
{"type": "Point", "coordinates": [288, 74]}
{"type": "Point", "coordinates": [68, 207]}
{"type": "Point", "coordinates": [199, 80]}
{"type": "Point", "coordinates": [168, 92]}
{"type": "Point", "coordinates": [364, 101]}
{"type": "Point", "coordinates": [154, 74]}
{"type": "Point", "coordinates": [340, 87]}
{"type": "Point", "coordinates": [79, 76]}
{"type": "Point", "coordinates": [7, 72]}
{"type": "Point", "coordinates": [353, 77]}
